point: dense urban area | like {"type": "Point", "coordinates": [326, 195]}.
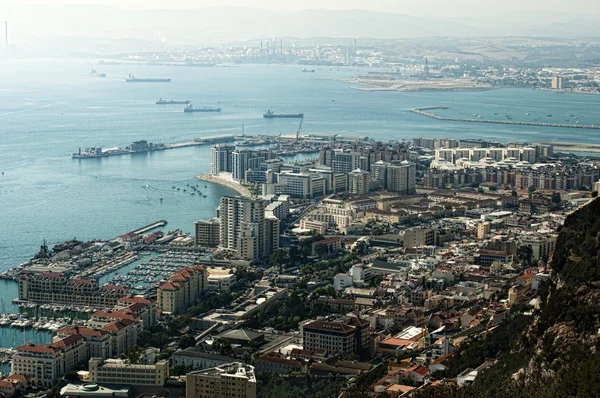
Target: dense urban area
{"type": "Point", "coordinates": [442, 64]}
{"type": "Point", "coordinates": [378, 269]}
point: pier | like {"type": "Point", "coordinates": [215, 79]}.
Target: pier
{"type": "Point", "coordinates": [424, 112]}
{"type": "Point", "coordinates": [98, 152]}
{"type": "Point", "coordinates": [149, 227]}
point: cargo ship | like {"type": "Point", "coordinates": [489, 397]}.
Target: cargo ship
{"type": "Point", "coordinates": [271, 115]}
{"type": "Point", "coordinates": [162, 101]}
{"type": "Point", "coordinates": [133, 79]}
{"type": "Point", "coordinates": [95, 73]}
{"type": "Point", "coordinates": [191, 108]}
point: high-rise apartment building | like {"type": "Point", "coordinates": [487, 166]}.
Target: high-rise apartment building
{"type": "Point", "coordinates": [224, 381]}
{"type": "Point", "coordinates": [401, 178]}
{"type": "Point", "coordinates": [243, 227]}
{"type": "Point", "coordinates": [557, 83]}
{"type": "Point", "coordinates": [359, 181]}
{"type": "Point", "coordinates": [221, 158]}
{"type": "Point", "coordinates": [208, 232]}
{"type": "Point", "coordinates": [326, 156]}
{"type": "Point", "coordinates": [344, 161]}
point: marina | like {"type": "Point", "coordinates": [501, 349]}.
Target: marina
{"type": "Point", "coordinates": [424, 112]}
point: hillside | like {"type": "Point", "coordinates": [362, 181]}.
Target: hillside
{"type": "Point", "coordinates": [555, 352]}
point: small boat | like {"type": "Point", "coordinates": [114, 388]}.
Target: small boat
{"type": "Point", "coordinates": [161, 199]}
{"type": "Point", "coordinates": [549, 115]}
{"type": "Point", "coordinates": [527, 114]}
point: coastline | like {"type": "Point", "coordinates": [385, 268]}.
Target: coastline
{"type": "Point", "coordinates": [225, 179]}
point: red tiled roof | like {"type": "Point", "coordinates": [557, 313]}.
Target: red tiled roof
{"type": "Point", "coordinates": [38, 348]}
{"type": "Point", "coordinates": [135, 299]}
{"type": "Point", "coordinates": [17, 377]}
{"type": "Point", "coordinates": [122, 314]}
{"type": "Point", "coordinates": [82, 331]}
{"type": "Point", "coordinates": [422, 370]}
{"type": "Point", "coordinates": [116, 326]}
{"type": "Point", "coordinates": [68, 341]}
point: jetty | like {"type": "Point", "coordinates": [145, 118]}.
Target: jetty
{"type": "Point", "coordinates": [424, 112]}
{"type": "Point", "coordinates": [149, 227]}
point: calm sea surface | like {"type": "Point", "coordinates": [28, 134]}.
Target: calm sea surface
{"type": "Point", "coordinates": [50, 108]}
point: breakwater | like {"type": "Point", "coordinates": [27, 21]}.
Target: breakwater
{"type": "Point", "coordinates": [424, 112]}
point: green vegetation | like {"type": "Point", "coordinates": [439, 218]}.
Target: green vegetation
{"type": "Point", "coordinates": [204, 305]}
{"type": "Point", "coordinates": [187, 340]}
{"type": "Point", "coordinates": [285, 316]}
{"type": "Point", "coordinates": [133, 353]}
{"type": "Point", "coordinates": [274, 386]}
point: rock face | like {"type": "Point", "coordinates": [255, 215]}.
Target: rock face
{"type": "Point", "coordinates": [563, 341]}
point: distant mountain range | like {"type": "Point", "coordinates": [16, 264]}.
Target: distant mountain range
{"type": "Point", "coordinates": [29, 23]}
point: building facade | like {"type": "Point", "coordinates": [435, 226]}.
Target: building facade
{"type": "Point", "coordinates": [118, 371]}
{"type": "Point", "coordinates": [225, 381]}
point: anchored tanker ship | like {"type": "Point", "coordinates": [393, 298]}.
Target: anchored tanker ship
{"type": "Point", "coordinates": [133, 79]}
{"type": "Point", "coordinates": [271, 115]}
{"type": "Point", "coordinates": [191, 108]}
{"type": "Point", "coordinates": [171, 102]}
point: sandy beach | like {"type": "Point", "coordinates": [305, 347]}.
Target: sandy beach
{"type": "Point", "coordinates": [225, 179]}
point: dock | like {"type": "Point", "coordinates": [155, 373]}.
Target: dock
{"type": "Point", "coordinates": [149, 227]}
{"type": "Point", "coordinates": [98, 152]}
{"type": "Point", "coordinates": [424, 112]}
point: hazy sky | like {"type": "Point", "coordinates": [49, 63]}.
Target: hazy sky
{"type": "Point", "coordinates": [466, 8]}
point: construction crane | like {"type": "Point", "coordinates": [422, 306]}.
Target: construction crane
{"type": "Point", "coordinates": [298, 132]}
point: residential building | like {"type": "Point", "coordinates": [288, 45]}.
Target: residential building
{"type": "Point", "coordinates": [557, 83]}
{"type": "Point", "coordinates": [415, 237]}
{"type": "Point", "coordinates": [400, 177]}
{"type": "Point", "coordinates": [208, 232]}
{"type": "Point", "coordinates": [541, 245]}
{"type": "Point", "coordinates": [358, 182]}
{"type": "Point", "coordinates": [483, 228]}
{"type": "Point", "coordinates": [44, 365]}
{"type": "Point", "coordinates": [346, 337]}
{"type": "Point", "coordinates": [196, 358]}
{"type": "Point", "coordinates": [98, 341]}
{"type": "Point", "coordinates": [244, 228]}
{"type": "Point", "coordinates": [182, 290]}
{"type": "Point", "coordinates": [230, 380]}
{"type": "Point", "coordinates": [221, 158]}
{"type": "Point", "coordinates": [276, 363]}
{"type": "Point", "coordinates": [220, 279]}
{"type": "Point", "coordinates": [146, 309]}
{"type": "Point", "coordinates": [326, 155]}
{"type": "Point", "coordinates": [119, 371]}
{"type": "Point", "coordinates": [58, 288]}
{"type": "Point", "coordinates": [345, 160]}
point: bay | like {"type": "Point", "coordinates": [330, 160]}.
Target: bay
{"type": "Point", "coordinates": [50, 108]}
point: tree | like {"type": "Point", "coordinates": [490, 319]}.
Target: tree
{"type": "Point", "coordinates": [514, 193]}
{"type": "Point", "coordinates": [594, 194]}
{"type": "Point", "coordinates": [180, 370]}
{"type": "Point", "coordinates": [187, 340]}
{"type": "Point", "coordinates": [321, 250]}
{"type": "Point", "coordinates": [223, 346]}
{"type": "Point", "coordinates": [279, 258]}
{"type": "Point", "coordinates": [133, 354]}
